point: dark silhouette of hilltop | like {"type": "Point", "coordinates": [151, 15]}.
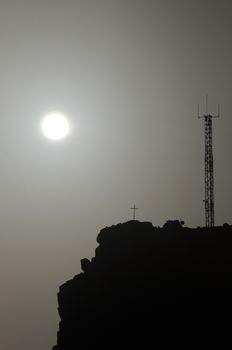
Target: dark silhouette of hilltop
{"type": "Point", "coordinates": [146, 284]}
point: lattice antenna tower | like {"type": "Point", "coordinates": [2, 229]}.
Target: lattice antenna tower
{"type": "Point", "coordinates": [209, 168]}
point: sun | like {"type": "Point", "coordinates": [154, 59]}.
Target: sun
{"type": "Point", "coordinates": [55, 126]}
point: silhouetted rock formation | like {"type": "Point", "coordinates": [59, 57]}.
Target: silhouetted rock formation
{"type": "Point", "coordinates": [145, 283]}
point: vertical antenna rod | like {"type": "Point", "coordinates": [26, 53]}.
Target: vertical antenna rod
{"type": "Point", "coordinates": [209, 170]}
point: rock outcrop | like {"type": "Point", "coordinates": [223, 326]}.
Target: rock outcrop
{"type": "Point", "coordinates": [146, 283]}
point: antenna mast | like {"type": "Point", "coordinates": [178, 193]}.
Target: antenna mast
{"type": "Point", "coordinates": [209, 170]}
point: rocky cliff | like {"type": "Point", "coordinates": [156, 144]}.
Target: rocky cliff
{"type": "Point", "coordinates": [146, 283]}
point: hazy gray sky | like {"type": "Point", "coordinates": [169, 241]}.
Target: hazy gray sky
{"type": "Point", "coordinates": [129, 75]}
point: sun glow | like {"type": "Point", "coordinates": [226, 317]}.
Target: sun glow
{"type": "Point", "coordinates": [55, 126]}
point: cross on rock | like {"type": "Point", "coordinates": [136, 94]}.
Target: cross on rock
{"type": "Point", "coordinates": [134, 209]}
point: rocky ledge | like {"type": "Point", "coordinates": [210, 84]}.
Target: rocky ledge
{"type": "Point", "coordinates": [147, 283]}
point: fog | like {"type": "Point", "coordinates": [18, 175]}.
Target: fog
{"type": "Point", "coordinates": [129, 76]}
